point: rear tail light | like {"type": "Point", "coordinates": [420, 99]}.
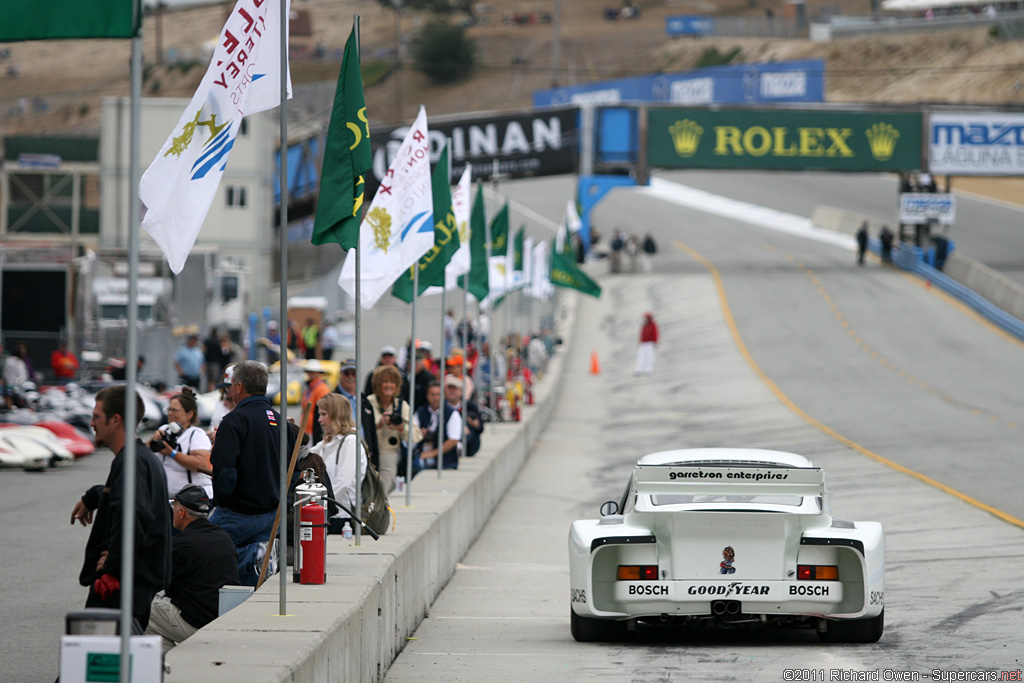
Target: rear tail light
{"type": "Point", "coordinates": [644, 572]}
{"type": "Point", "coordinates": [814, 572]}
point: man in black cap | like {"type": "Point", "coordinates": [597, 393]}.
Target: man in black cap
{"type": "Point", "coordinates": [203, 559]}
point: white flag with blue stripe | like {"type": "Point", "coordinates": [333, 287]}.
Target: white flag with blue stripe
{"type": "Point", "coordinates": [398, 228]}
{"type": "Point", "coordinates": [179, 187]}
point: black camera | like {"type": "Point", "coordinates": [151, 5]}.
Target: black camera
{"type": "Point", "coordinates": [170, 439]}
{"type": "Point", "coordinates": [395, 419]}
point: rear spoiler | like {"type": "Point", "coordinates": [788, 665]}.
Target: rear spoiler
{"type": "Point", "coordinates": [729, 481]}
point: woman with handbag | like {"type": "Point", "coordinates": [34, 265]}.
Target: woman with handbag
{"type": "Point", "coordinates": [338, 450]}
{"type": "Point", "coordinates": [391, 417]}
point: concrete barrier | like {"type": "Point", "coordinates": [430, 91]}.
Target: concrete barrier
{"type": "Point", "coordinates": [989, 283]}
{"type": "Point", "coordinates": [352, 628]}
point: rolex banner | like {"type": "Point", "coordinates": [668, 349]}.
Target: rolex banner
{"type": "Point", "coordinates": [784, 140]}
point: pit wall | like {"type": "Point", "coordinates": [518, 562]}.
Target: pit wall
{"type": "Point", "coordinates": [352, 628]}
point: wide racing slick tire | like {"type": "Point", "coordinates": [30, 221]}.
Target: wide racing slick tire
{"type": "Point", "coordinates": [854, 630]}
{"type": "Point", "coordinates": [588, 630]}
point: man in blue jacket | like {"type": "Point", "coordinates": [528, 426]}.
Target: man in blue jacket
{"type": "Point", "coordinates": [246, 468]}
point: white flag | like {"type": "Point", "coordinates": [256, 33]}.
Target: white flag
{"type": "Point", "coordinates": [399, 226]}
{"type": "Point", "coordinates": [243, 78]}
{"type": "Point", "coordinates": [527, 262]}
{"type": "Point", "coordinates": [461, 203]}
{"type": "Point", "coordinates": [540, 267]}
{"type": "Point", "coordinates": [572, 219]}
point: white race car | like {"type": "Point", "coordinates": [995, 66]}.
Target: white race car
{"type": "Point", "coordinates": [726, 536]}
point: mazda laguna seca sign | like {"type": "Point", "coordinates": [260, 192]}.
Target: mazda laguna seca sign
{"type": "Point", "coordinates": [976, 144]}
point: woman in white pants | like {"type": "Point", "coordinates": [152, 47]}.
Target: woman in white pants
{"type": "Point", "coordinates": [648, 344]}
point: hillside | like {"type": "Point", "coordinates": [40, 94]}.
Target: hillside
{"type": "Point", "coordinates": [60, 82]}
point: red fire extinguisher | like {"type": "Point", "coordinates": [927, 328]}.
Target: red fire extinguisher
{"type": "Point", "coordinates": [311, 534]}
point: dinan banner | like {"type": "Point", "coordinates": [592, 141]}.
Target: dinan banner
{"type": "Point", "coordinates": [532, 144]}
{"type": "Point", "coordinates": [976, 144]}
{"type": "Point", "coordinates": [785, 140]}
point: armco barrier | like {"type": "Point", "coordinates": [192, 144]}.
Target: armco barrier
{"type": "Point", "coordinates": [352, 628]}
{"type": "Point", "coordinates": [910, 258]}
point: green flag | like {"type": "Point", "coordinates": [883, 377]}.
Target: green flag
{"type": "Point", "coordinates": [564, 273]}
{"type": "Point", "coordinates": [499, 232]}
{"type": "Point", "coordinates": [478, 286]}
{"type": "Point", "coordinates": [446, 238]}
{"type": "Point", "coordinates": [347, 157]}
{"type": "Point", "coordinates": [57, 19]}
{"type": "Point", "coordinates": [517, 246]}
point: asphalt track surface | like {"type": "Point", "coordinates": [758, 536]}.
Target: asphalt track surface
{"type": "Point", "coordinates": [910, 403]}
{"type": "Point", "coordinates": [941, 398]}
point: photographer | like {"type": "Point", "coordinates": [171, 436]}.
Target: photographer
{"type": "Point", "coordinates": [391, 417]}
{"type": "Point", "coordinates": [183, 446]}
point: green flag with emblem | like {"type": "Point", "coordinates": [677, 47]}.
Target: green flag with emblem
{"type": "Point", "coordinates": [478, 286]}
{"type": "Point", "coordinates": [446, 238]}
{"type": "Point", "coordinates": [564, 273]}
{"type": "Point", "coordinates": [347, 158]}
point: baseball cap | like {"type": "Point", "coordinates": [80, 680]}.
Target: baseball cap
{"type": "Point", "coordinates": [194, 498]}
{"type": "Point", "coordinates": [387, 350]}
{"type": "Point", "coordinates": [453, 381]}
{"type": "Point", "coordinates": [272, 324]}
{"type": "Point", "coordinates": [347, 364]}
{"type": "Point", "coordinates": [227, 377]}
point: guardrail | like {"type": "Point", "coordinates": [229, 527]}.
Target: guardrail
{"type": "Point", "coordinates": [845, 27]}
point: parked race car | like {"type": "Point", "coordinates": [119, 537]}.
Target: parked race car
{"type": "Point", "coordinates": [726, 537]}
{"type": "Point", "coordinates": [32, 448]}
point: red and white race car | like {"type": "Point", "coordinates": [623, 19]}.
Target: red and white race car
{"type": "Point", "coordinates": [726, 536]}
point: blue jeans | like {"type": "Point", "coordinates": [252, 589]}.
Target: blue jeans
{"type": "Point", "coordinates": [247, 532]}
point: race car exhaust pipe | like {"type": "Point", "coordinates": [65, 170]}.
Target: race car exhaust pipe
{"type": "Point", "coordinates": [732, 607]}
{"type": "Point", "coordinates": [718, 607]}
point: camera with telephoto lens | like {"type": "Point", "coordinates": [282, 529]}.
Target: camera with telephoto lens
{"type": "Point", "coordinates": [170, 438]}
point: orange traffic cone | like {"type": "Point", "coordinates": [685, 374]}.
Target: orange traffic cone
{"type": "Point", "coordinates": [595, 367]}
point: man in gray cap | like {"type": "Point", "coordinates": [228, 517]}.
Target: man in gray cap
{"type": "Point", "coordinates": [203, 559]}
{"type": "Point", "coordinates": [388, 356]}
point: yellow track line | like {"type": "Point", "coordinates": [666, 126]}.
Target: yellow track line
{"type": "Point", "coordinates": [734, 331]}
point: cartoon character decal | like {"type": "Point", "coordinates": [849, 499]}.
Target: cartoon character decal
{"type": "Point", "coordinates": [726, 564]}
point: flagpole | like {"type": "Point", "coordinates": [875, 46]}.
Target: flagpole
{"type": "Point", "coordinates": [465, 353]}
{"type": "Point", "coordinates": [358, 531]}
{"type": "Point", "coordinates": [131, 418]}
{"type": "Point", "coordinates": [282, 504]}
{"type": "Point", "coordinates": [442, 426]}
{"type": "Point", "coordinates": [412, 387]}
{"type": "Point", "coordinates": [492, 399]}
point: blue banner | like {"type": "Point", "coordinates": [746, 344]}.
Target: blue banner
{"type": "Point", "coordinates": [689, 25]}
{"type": "Point", "coordinates": [794, 81]}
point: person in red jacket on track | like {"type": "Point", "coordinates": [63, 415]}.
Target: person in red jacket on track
{"type": "Point", "coordinates": [648, 344]}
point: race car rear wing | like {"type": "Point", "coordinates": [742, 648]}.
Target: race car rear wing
{"type": "Point", "coordinates": [729, 481]}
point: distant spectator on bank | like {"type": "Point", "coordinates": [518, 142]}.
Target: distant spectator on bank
{"type": "Point", "coordinates": [293, 339]}
{"type": "Point", "coordinates": [885, 236]}
{"type": "Point", "coordinates": [391, 416]}
{"type": "Point", "coordinates": [225, 405]}
{"type": "Point", "coordinates": [203, 560]}
{"type": "Point", "coordinates": [212, 354]}
{"type": "Point", "coordinates": [330, 339]}
{"type": "Point", "coordinates": [274, 337]}
{"type": "Point", "coordinates": [470, 411]}
{"type": "Point", "coordinates": [648, 249]}
{"type": "Point", "coordinates": [230, 353]}
{"type": "Point", "coordinates": [455, 369]}
{"type": "Point", "coordinates": [101, 568]}
{"type": "Point", "coordinates": [310, 338]}
{"type": "Point", "coordinates": [189, 363]}
{"type": "Point", "coordinates": [316, 388]}
{"type": "Point", "coordinates": [339, 449]}
{"type": "Point", "coordinates": [347, 388]}
{"type": "Point", "coordinates": [120, 372]}
{"type": "Point", "coordinates": [388, 356]}
{"type": "Point", "coordinates": [187, 453]}
{"type": "Point", "coordinates": [862, 242]}
{"type": "Point", "coordinates": [246, 469]}
{"type": "Point", "coordinates": [450, 331]}
{"type": "Point", "coordinates": [63, 363]}
{"type": "Point", "coordinates": [536, 355]}
{"type": "Point", "coordinates": [431, 419]}
{"type": "Point", "coordinates": [16, 370]}
{"type": "Point", "coordinates": [422, 375]}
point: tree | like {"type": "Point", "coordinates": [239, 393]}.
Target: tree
{"type": "Point", "coordinates": [444, 52]}
{"type": "Point", "coordinates": [434, 6]}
